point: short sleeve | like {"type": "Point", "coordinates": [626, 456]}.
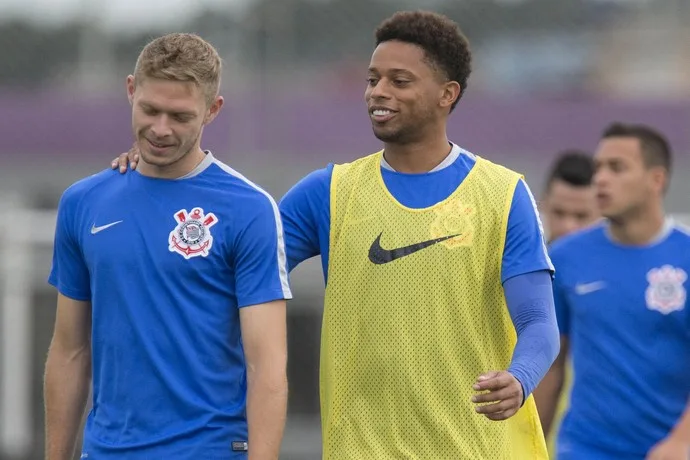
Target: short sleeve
{"type": "Point", "coordinates": [525, 248]}
{"type": "Point", "coordinates": [305, 210]}
{"type": "Point", "coordinates": [260, 262]}
{"type": "Point", "coordinates": [69, 273]}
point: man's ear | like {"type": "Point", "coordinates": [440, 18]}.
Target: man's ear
{"type": "Point", "coordinates": [131, 87]}
{"type": "Point", "coordinates": [450, 93]}
{"type": "Point", "coordinates": [214, 109]}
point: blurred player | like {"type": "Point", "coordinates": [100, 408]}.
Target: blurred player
{"type": "Point", "coordinates": [172, 285]}
{"type": "Point", "coordinates": [569, 204]}
{"type": "Point", "coordinates": [569, 201]}
{"type": "Point", "coordinates": [621, 298]}
{"type": "Point", "coordinates": [434, 259]}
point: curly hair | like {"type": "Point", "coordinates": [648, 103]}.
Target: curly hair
{"type": "Point", "coordinates": [445, 46]}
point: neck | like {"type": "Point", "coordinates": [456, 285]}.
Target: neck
{"type": "Point", "coordinates": [640, 229]}
{"type": "Point", "coordinates": [418, 157]}
{"type": "Point", "coordinates": [175, 170]}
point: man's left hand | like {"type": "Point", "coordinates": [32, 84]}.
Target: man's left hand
{"type": "Point", "coordinates": [504, 392]}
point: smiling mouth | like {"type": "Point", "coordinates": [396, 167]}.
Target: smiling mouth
{"type": "Point", "coordinates": [382, 115]}
{"type": "Point", "coordinates": [157, 145]}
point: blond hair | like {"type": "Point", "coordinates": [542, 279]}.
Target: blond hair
{"type": "Point", "coordinates": [181, 57]}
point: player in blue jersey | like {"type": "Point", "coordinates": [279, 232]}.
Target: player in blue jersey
{"type": "Point", "coordinates": [621, 300]}
{"type": "Point", "coordinates": [569, 202]}
{"type": "Point", "coordinates": [171, 288]}
{"type": "Point", "coordinates": [418, 73]}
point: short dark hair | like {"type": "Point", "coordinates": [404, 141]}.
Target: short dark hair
{"type": "Point", "coordinates": [574, 167]}
{"type": "Point", "coordinates": [656, 150]}
{"type": "Point", "coordinates": [445, 46]}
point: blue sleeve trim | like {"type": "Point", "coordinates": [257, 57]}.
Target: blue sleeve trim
{"type": "Point", "coordinates": [264, 297]}
{"type": "Point", "coordinates": [71, 293]}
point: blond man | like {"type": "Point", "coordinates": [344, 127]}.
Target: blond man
{"type": "Point", "coordinates": [171, 288]}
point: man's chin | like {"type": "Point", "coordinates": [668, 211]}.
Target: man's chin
{"type": "Point", "coordinates": [155, 158]}
{"type": "Point", "coordinates": [384, 135]}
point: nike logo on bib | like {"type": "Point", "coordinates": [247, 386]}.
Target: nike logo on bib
{"type": "Point", "coordinates": [379, 256]}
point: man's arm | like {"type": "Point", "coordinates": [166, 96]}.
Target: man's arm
{"type": "Point", "coordinates": [676, 446]}
{"type": "Point", "coordinates": [529, 298]}
{"type": "Point", "coordinates": [530, 304]}
{"type": "Point", "coordinates": [305, 210]}
{"type": "Point", "coordinates": [265, 349]}
{"type": "Point", "coordinates": [548, 393]}
{"type": "Point", "coordinates": [68, 367]}
{"type": "Point", "coordinates": [67, 376]}
{"type": "Point", "coordinates": [682, 428]}
{"type": "Point", "coordinates": [262, 289]}
{"type": "Point", "coordinates": [526, 276]}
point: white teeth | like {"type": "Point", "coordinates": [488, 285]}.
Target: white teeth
{"type": "Point", "coordinates": [381, 113]}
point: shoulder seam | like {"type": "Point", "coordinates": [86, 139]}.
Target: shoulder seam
{"type": "Point", "coordinates": [82, 194]}
{"type": "Point", "coordinates": [280, 253]}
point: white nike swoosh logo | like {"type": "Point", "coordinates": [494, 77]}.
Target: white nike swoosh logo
{"type": "Point", "coordinates": [95, 229]}
{"type": "Point", "coordinates": [588, 288]}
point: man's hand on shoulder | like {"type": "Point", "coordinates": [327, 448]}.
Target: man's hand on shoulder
{"type": "Point", "coordinates": [131, 157]}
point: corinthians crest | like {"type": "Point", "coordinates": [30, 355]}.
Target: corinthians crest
{"type": "Point", "coordinates": [453, 217]}
{"type": "Point", "coordinates": [192, 236]}
{"type": "Point", "coordinates": [666, 292]}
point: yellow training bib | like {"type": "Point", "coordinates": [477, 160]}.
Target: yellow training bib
{"type": "Point", "coordinates": [414, 313]}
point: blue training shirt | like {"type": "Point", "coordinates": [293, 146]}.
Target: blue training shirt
{"type": "Point", "coordinates": [305, 210]}
{"type": "Point", "coordinates": [167, 264]}
{"type": "Point", "coordinates": [624, 310]}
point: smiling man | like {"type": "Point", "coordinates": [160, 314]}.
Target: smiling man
{"type": "Point", "coordinates": [439, 318]}
{"type": "Point", "coordinates": [434, 259]}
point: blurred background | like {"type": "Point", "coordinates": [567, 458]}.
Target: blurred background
{"type": "Point", "coordinates": [548, 75]}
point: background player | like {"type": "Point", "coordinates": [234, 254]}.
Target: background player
{"type": "Point", "coordinates": [569, 200]}
{"type": "Point", "coordinates": [568, 204]}
{"type": "Point", "coordinates": [621, 298]}
{"type": "Point", "coordinates": [402, 354]}
{"type": "Point", "coordinates": [171, 286]}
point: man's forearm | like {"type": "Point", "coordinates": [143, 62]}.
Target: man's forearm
{"type": "Point", "coordinates": [529, 298]}
{"type": "Point", "coordinates": [546, 396]}
{"type": "Point", "coordinates": [267, 392]}
{"type": "Point", "coordinates": [66, 388]}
